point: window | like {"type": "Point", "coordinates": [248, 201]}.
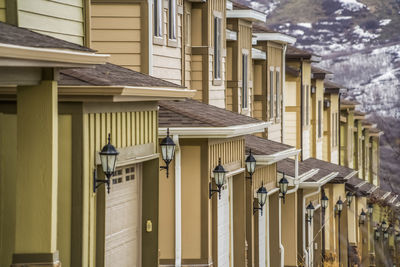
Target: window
{"type": "Point", "coordinates": [271, 94]}
{"type": "Point", "coordinates": [278, 94]}
{"type": "Point", "coordinates": [307, 105]}
{"type": "Point", "coordinates": [158, 18]}
{"type": "Point", "coordinates": [217, 48]}
{"type": "Point", "coordinates": [319, 118]}
{"type": "Point", "coordinates": [172, 19]}
{"type": "Point", "coordinates": [244, 82]}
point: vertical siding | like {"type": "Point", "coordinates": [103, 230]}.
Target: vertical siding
{"type": "Point", "coordinates": [265, 175]}
{"type": "Point", "coordinates": [231, 151]}
{"type": "Point", "coordinates": [3, 10]}
{"type": "Point", "coordinates": [116, 30]}
{"type": "Point", "coordinates": [60, 19]}
{"type": "Point", "coordinates": [126, 128]}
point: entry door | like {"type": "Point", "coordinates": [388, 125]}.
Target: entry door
{"type": "Point", "coordinates": [224, 226]}
{"type": "Point", "coordinates": [123, 218]}
{"type": "Point", "coordinates": [261, 238]}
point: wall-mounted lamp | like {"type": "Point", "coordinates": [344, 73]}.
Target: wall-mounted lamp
{"type": "Point", "coordinates": [370, 209]}
{"type": "Point", "coordinates": [363, 217]}
{"type": "Point", "coordinates": [327, 103]}
{"type": "Point", "coordinates": [384, 225]}
{"type": "Point", "coordinates": [108, 158]}
{"type": "Point", "coordinates": [339, 206]}
{"type": "Point", "coordinates": [385, 235]}
{"type": "Point", "coordinates": [250, 165]}
{"type": "Point", "coordinates": [310, 212]}
{"type": "Point", "coordinates": [313, 89]}
{"type": "Point", "coordinates": [283, 187]}
{"type": "Point", "coordinates": [167, 151]}
{"type": "Point", "coordinates": [219, 178]}
{"type": "Point", "coordinates": [349, 198]}
{"type": "Point", "coordinates": [377, 234]}
{"type": "Point", "coordinates": [324, 201]}
{"type": "Point", "coordinates": [261, 199]}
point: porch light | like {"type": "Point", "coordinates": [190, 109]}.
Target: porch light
{"type": "Point", "coordinates": [390, 229]}
{"type": "Point", "coordinates": [310, 212]}
{"type": "Point", "coordinates": [370, 209]}
{"type": "Point", "coordinates": [385, 235]}
{"type": "Point", "coordinates": [324, 201]}
{"type": "Point", "coordinates": [250, 165]}
{"type": "Point", "coordinates": [398, 237]}
{"type": "Point", "coordinates": [167, 151]}
{"type": "Point", "coordinates": [108, 158]}
{"type": "Point", "coordinates": [339, 205]}
{"type": "Point", "coordinates": [349, 198]}
{"type": "Point", "coordinates": [283, 187]}
{"type": "Point", "coordinates": [261, 198]}
{"type": "Point", "coordinates": [219, 178]}
{"type": "Point", "coordinates": [377, 234]}
{"type": "Point", "coordinates": [384, 225]}
{"type": "Point", "coordinates": [327, 103]}
{"type": "Point", "coordinates": [363, 217]}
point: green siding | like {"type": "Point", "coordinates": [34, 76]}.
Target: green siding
{"type": "Point", "coordinates": [60, 19]}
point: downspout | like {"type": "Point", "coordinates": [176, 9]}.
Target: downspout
{"type": "Point", "coordinates": [339, 148]}
{"type": "Point", "coordinates": [304, 224]}
{"type": "Point", "coordinates": [150, 36]}
{"type": "Point", "coordinates": [178, 201]}
{"type": "Point", "coordinates": [283, 91]}
{"type": "Point", "coordinates": [267, 218]}
{"type": "Point", "coordinates": [301, 108]}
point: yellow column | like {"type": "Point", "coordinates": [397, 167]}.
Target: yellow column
{"type": "Point", "coordinates": [36, 181]}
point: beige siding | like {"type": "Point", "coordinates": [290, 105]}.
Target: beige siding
{"type": "Point", "coordinates": [116, 30]}
{"type": "Point", "coordinates": [197, 76]}
{"type": "Point", "coordinates": [230, 151]}
{"type": "Point", "coordinates": [60, 19]}
{"type": "Point", "coordinates": [275, 132]}
{"type": "Point", "coordinates": [3, 10]}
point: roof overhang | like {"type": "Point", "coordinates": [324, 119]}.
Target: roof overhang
{"type": "Point", "coordinates": [247, 14]}
{"type": "Point", "coordinates": [23, 56]}
{"type": "Point", "coordinates": [111, 93]}
{"type": "Point", "coordinates": [321, 182]}
{"type": "Point", "coordinates": [387, 194]}
{"type": "Point", "coordinates": [276, 37]}
{"type": "Point", "coordinates": [350, 175]}
{"type": "Point", "coordinates": [215, 132]}
{"type": "Point", "coordinates": [273, 158]}
{"type": "Point", "coordinates": [231, 35]}
{"type": "Point", "coordinates": [257, 54]}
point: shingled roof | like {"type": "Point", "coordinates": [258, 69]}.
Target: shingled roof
{"type": "Point", "coordinates": [192, 113]}
{"type": "Point", "coordinates": [262, 28]}
{"type": "Point", "coordinates": [332, 87]}
{"type": "Point", "coordinates": [14, 35]}
{"type": "Point", "coordinates": [358, 186]}
{"type": "Point", "coordinates": [263, 146]}
{"type": "Point", "coordinates": [292, 71]}
{"type": "Point", "coordinates": [344, 172]}
{"type": "Point", "coordinates": [358, 113]}
{"type": "Point", "coordinates": [296, 53]}
{"type": "Point", "coordinates": [110, 75]}
{"type": "Point", "coordinates": [319, 73]}
{"type": "Point", "coordinates": [344, 104]}
{"type": "Point", "coordinates": [287, 166]}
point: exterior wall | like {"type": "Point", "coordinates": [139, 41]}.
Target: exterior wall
{"type": "Point", "coordinates": [307, 147]}
{"type": "Point", "coordinates": [331, 120]}
{"type": "Point", "coordinates": [335, 145]}
{"type": "Point", "coordinates": [116, 29]}
{"type": "Point", "coordinates": [316, 141]}
{"type": "Point", "coordinates": [347, 138]}
{"type": "Point", "coordinates": [187, 42]}
{"type": "Point", "coordinates": [375, 161]}
{"type": "Point", "coordinates": [3, 10]}
{"type": "Point", "coordinates": [289, 229]}
{"type": "Point", "coordinates": [292, 112]}
{"type": "Point", "coordinates": [259, 90]}
{"type": "Point", "coordinates": [58, 19]}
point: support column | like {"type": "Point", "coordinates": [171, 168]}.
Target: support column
{"type": "Point", "coordinates": [36, 181]}
{"type": "Point", "coordinates": [239, 220]}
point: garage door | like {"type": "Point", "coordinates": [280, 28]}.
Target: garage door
{"type": "Point", "coordinates": [261, 238]}
{"type": "Point", "coordinates": [123, 218]}
{"type": "Point", "coordinates": [223, 228]}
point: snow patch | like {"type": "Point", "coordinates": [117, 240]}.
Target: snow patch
{"type": "Point", "coordinates": [305, 25]}
{"type": "Point", "coordinates": [364, 34]}
{"type": "Point", "coordinates": [351, 5]}
{"type": "Point", "coordinates": [298, 32]}
{"type": "Point", "coordinates": [384, 22]}
{"type": "Point", "coordinates": [343, 17]}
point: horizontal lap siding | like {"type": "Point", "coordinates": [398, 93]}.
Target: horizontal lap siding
{"type": "Point", "coordinates": [126, 129]}
{"type": "Point", "coordinates": [197, 76]}
{"type": "Point", "coordinates": [60, 19]}
{"type": "Point", "coordinates": [3, 10]}
{"type": "Point", "coordinates": [116, 30]}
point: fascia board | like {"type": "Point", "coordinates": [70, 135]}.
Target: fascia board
{"type": "Point", "coordinates": [52, 56]}
{"type": "Point", "coordinates": [275, 36]}
{"type": "Point", "coordinates": [361, 184]}
{"type": "Point", "coordinates": [258, 54]}
{"type": "Point", "coordinates": [231, 35]}
{"type": "Point", "coordinates": [320, 183]}
{"type": "Point", "coordinates": [350, 175]}
{"type": "Point", "coordinates": [215, 132]}
{"type": "Point", "coordinates": [247, 14]}
{"type": "Point", "coordinates": [273, 158]}
{"type": "Point", "coordinates": [385, 195]}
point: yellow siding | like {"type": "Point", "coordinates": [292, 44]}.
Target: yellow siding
{"type": "Point", "coordinates": [127, 129]}
{"type": "Point", "coordinates": [3, 10]}
{"type": "Point", "coordinates": [197, 76]}
{"type": "Point", "coordinates": [59, 19]}
{"type": "Point", "coordinates": [265, 175]}
{"type": "Point", "coordinates": [231, 151]}
{"type": "Point", "coordinates": [116, 30]}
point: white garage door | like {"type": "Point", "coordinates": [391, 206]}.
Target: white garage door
{"type": "Point", "coordinates": [261, 238]}
{"type": "Point", "coordinates": [123, 218]}
{"type": "Point", "coordinates": [223, 228]}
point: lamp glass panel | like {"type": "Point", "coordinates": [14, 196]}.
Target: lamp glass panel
{"type": "Point", "coordinates": [250, 166]}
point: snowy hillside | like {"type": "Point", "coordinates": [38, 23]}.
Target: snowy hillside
{"type": "Point", "coordinates": [359, 41]}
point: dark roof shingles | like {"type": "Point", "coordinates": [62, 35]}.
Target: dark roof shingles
{"type": "Point", "coordinates": [263, 146]}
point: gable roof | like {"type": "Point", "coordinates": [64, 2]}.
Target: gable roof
{"type": "Point", "coordinates": [344, 173]}
{"type": "Point", "coordinates": [287, 166]}
{"type": "Point", "coordinates": [13, 35]}
{"type": "Point", "coordinates": [111, 75]}
{"type": "Point", "coordinates": [297, 53]}
{"type": "Point", "coordinates": [263, 33]}
{"type": "Point", "coordinates": [318, 73]}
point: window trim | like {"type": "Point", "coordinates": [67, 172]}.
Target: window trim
{"type": "Point", "coordinates": [278, 93]}
{"type": "Point", "coordinates": [319, 119]}
{"type": "Point", "coordinates": [172, 8]}
{"type": "Point", "coordinates": [158, 18]}
{"type": "Point", "coordinates": [217, 59]}
{"type": "Point", "coordinates": [245, 80]}
{"type": "Point", "coordinates": [271, 94]}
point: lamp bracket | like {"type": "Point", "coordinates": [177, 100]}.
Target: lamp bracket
{"type": "Point", "coordinates": [98, 182]}
{"type": "Point", "coordinates": [166, 167]}
{"type": "Point", "coordinates": [255, 209]}
{"type": "Point", "coordinates": [213, 191]}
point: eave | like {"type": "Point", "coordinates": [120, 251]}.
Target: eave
{"type": "Point", "coordinates": [215, 132]}
{"type": "Point", "coordinates": [275, 37]}
{"type": "Point", "coordinates": [231, 35]}
{"type": "Point", "coordinates": [263, 160]}
{"type": "Point", "coordinates": [247, 14]}
{"type": "Point", "coordinates": [321, 182]}
{"type": "Point", "coordinates": [257, 54]}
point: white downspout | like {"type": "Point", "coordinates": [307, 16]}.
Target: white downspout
{"type": "Point", "coordinates": [283, 91]}
{"type": "Point", "coordinates": [178, 201]}
{"type": "Point", "coordinates": [304, 224]}
{"type": "Point", "coordinates": [267, 218]}
{"type": "Point", "coordinates": [150, 35]}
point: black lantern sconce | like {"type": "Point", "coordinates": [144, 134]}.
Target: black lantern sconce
{"type": "Point", "coordinates": [349, 198]}
{"type": "Point", "coordinates": [324, 201]}
{"type": "Point", "coordinates": [391, 228]}
{"type": "Point", "coordinates": [377, 234]}
{"type": "Point", "coordinates": [219, 177]}
{"type": "Point", "coordinates": [283, 187]}
{"type": "Point", "coordinates": [261, 199]}
{"type": "Point", "coordinates": [363, 217]}
{"type": "Point", "coordinates": [167, 151]}
{"type": "Point", "coordinates": [310, 212]}
{"type": "Point", "coordinates": [339, 206]}
{"type": "Point", "coordinates": [250, 165]}
{"type": "Point", "coordinates": [327, 103]}
{"type": "Point", "coordinates": [108, 158]}
{"type": "Point", "coordinates": [384, 226]}
{"type": "Point", "coordinates": [398, 237]}
{"type": "Point", "coordinates": [385, 235]}
{"type": "Point", "coordinates": [370, 209]}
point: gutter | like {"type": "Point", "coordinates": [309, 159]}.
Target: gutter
{"type": "Point", "coordinates": [150, 35]}
{"type": "Point", "coordinates": [339, 133]}
{"type": "Point", "coordinates": [178, 201]}
{"type": "Point", "coordinates": [321, 182]}
{"type": "Point", "coordinates": [301, 108]}
{"type": "Point", "coordinates": [263, 160]}
{"type": "Point", "coordinates": [283, 91]}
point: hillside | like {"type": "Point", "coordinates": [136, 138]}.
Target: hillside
{"type": "Point", "coordinates": [359, 41]}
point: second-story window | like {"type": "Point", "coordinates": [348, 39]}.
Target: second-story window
{"type": "Point", "coordinates": [319, 118]}
{"type": "Point", "coordinates": [172, 19]}
{"type": "Point", "coordinates": [158, 18]}
{"type": "Point", "coordinates": [217, 48]}
{"type": "Point", "coordinates": [278, 93]}
{"type": "Point", "coordinates": [244, 82]}
{"type": "Point", "coordinates": [271, 94]}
